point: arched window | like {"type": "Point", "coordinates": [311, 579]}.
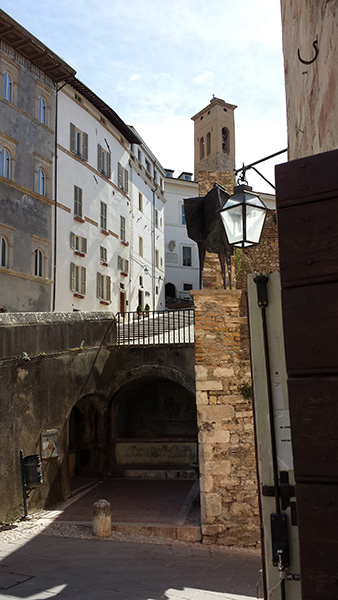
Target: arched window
{"type": "Point", "coordinates": [5, 161]}
{"type": "Point", "coordinates": [42, 110]}
{"type": "Point", "coordinates": [208, 142]}
{"type": "Point", "coordinates": [4, 252]}
{"type": "Point", "coordinates": [201, 148]}
{"type": "Point", "coordinates": [38, 263]}
{"type": "Point", "coordinates": [225, 140]}
{"type": "Point", "coordinates": [7, 87]}
{"type": "Point", "coordinates": [41, 182]}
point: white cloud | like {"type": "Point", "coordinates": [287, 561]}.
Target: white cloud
{"type": "Point", "coordinates": [135, 77]}
{"type": "Point", "coordinates": [203, 77]}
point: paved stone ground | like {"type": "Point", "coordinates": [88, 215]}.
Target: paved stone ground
{"type": "Point", "coordinates": [44, 558]}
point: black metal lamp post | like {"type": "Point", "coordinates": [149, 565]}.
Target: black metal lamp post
{"type": "Point", "coordinates": [243, 216]}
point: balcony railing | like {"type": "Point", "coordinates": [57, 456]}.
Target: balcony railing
{"type": "Point", "coordinates": [156, 327]}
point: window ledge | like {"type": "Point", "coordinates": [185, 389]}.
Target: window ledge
{"type": "Point", "coordinates": [104, 231]}
{"type": "Point", "coordinates": [105, 302]}
{"type": "Point", "coordinates": [104, 264]}
{"type": "Point", "coordinates": [78, 253]}
{"type": "Point", "coordinates": [79, 219]}
{"type": "Point", "coordinates": [124, 243]}
{"type": "Point", "coordinates": [123, 274]}
{"type": "Point", "coordinates": [77, 295]}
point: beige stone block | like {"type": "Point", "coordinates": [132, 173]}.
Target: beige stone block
{"type": "Point", "coordinates": [224, 372]}
{"type": "Point", "coordinates": [213, 504]}
{"type": "Point", "coordinates": [202, 398]}
{"type": "Point", "coordinates": [221, 467]}
{"type": "Point", "coordinates": [212, 400]}
{"type": "Point", "coordinates": [214, 529]}
{"type": "Point", "coordinates": [208, 385]}
{"type": "Point", "coordinates": [201, 372]}
{"type": "Point", "coordinates": [206, 483]}
{"type": "Point", "coordinates": [218, 412]}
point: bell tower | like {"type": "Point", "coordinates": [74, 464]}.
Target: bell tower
{"type": "Point", "coordinates": [214, 137]}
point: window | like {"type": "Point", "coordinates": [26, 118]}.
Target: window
{"type": "Point", "coordinates": [7, 87]}
{"type": "Point", "coordinates": [139, 154]}
{"type": "Point", "coordinates": [208, 142]}
{"type": "Point", "coordinates": [122, 229]}
{"type": "Point", "coordinates": [141, 281]}
{"type": "Point", "coordinates": [78, 201]}
{"type": "Point", "coordinates": [103, 161]}
{"type": "Point", "coordinates": [122, 178]}
{"type": "Point", "coordinates": [186, 256]}
{"type": "Point", "coordinates": [42, 108]}
{"type": "Point", "coordinates": [78, 244]}
{"type": "Point", "coordinates": [156, 217]}
{"type": "Point", "coordinates": [156, 258]}
{"type": "Point", "coordinates": [5, 163]}
{"type": "Point", "coordinates": [187, 287]}
{"type": "Point", "coordinates": [103, 216]}
{"type": "Point", "coordinates": [147, 165]}
{"type": "Point", "coordinates": [41, 182]}
{"type": "Point", "coordinates": [182, 214]}
{"type": "Point", "coordinates": [225, 140]}
{"type": "Point", "coordinates": [103, 287]}
{"type": "Point", "coordinates": [122, 264]}
{"type": "Point", "coordinates": [103, 254]}
{"type": "Point", "coordinates": [140, 246]}
{"type": "Point", "coordinates": [4, 252]}
{"type": "Point", "coordinates": [140, 202]}
{"type": "Point", "coordinates": [78, 280]}
{"type": "Point", "coordinates": [201, 148]}
{"type": "Point", "coordinates": [38, 263]}
{"type": "Point", "coordinates": [78, 142]}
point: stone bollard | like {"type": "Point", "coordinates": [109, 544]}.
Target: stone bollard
{"type": "Point", "coordinates": [102, 518]}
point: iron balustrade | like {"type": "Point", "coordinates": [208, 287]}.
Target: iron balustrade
{"type": "Point", "coordinates": [156, 327]}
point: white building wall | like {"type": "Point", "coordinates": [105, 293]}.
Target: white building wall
{"type": "Point", "coordinates": [176, 236]}
{"type": "Point", "coordinates": [97, 188]}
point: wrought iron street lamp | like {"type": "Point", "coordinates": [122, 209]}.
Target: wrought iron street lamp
{"type": "Point", "coordinates": [243, 215]}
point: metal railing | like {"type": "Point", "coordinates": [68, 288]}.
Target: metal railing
{"type": "Point", "coordinates": [156, 327]}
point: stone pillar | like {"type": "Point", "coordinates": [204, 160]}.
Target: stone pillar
{"type": "Point", "coordinates": [102, 518]}
{"type": "Point", "coordinates": [229, 495]}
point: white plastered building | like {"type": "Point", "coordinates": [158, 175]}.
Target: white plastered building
{"type": "Point", "coordinates": [109, 207]}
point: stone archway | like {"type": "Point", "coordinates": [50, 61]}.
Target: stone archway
{"type": "Point", "coordinates": [153, 424]}
{"type": "Point", "coordinates": [88, 437]}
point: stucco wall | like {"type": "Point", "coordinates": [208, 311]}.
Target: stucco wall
{"type": "Point", "coordinates": [311, 90]}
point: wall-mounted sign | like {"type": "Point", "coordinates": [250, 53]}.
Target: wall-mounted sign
{"type": "Point", "coordinates": [50, 443]}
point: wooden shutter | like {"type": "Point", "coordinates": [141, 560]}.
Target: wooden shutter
{"type": "Point", "coordinates": [108, 165]}
{"type": "Point", "coordinates": [72, 277]}
{"type": "Point", "coordinates": [126, 181]}
{"type": "Point", "coordinates": [99, 157]}
{"type": "Point", "coordinates": [83, 281]}
{"type": "Point", "coordinates": [119, 263]}
{"type": "Point", "coordinates": [84, 245]}
{"type": "Point", "coordinates": [85, 146]}
{"type": "Point", "coordinates": [72, 137]}
{"type": "Point", "coordinates": [119, 176]}
{"type": "Point", "coordinates": [72, 240]}
{"type": "Point", "coordinates": [98, 285]}
{"type": "Point", "coordinates": [108, 288]}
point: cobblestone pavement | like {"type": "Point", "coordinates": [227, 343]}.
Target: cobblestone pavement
{"type": "Point", "coordinates": [46, 558]}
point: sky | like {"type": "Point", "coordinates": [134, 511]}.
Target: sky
{"type": "Point", "coordinates": [158, 63]}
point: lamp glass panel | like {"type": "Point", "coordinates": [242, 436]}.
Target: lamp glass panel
{"type": "Point", "coordinates": [254, 223]}
{"type": "Point", "coordinates": [233, 223]}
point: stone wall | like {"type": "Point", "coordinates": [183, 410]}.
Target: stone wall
{"type": "Point", "coordinates": [229, 498]}
{"type": "Point", "coordinates": [311, 90]}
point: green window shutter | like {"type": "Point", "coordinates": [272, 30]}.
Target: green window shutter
{"type": "Point", "coordinates": [99, 157]}
{"type": "Point", "coordinates": [98, 285]}
{"type": "Point", "coordinates": [119, 176]}
{"type": "Point", "coordinates": [85, 146]}
{"type": "Point", "coordinates": [84, 245]}
{"type": "Point", "coordinates": [119, 263]}
{"type": "Point", "coordinates": [72, 277]}
{"type": "Point", "coordinates": [80, 201]}
{"type": "Point", "coordinates": [108, 288]}
{"type": "Point", "coordinates": [83, 281]}
{"type": "Point", "coordinates": [126, 181]}
{"type": "Point", "coordinates": [72, 137]}
{"type": "Point", "coordinates": [108, 165]}
{"type": "Point", "coordinates": [72, 240]}
{"type": "Point", "coordinates": [126, 266]}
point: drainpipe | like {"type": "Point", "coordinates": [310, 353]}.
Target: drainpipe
{"type": "Point", "coordinates": [55, 192]}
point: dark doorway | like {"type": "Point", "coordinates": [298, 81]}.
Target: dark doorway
{"type": "Point", "coordinates": [88, 437]}
{"type": "Point", "coordinates": [170, 290]}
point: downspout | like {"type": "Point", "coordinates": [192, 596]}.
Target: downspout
{"type": "Point", "coordinates": [55, 194]}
